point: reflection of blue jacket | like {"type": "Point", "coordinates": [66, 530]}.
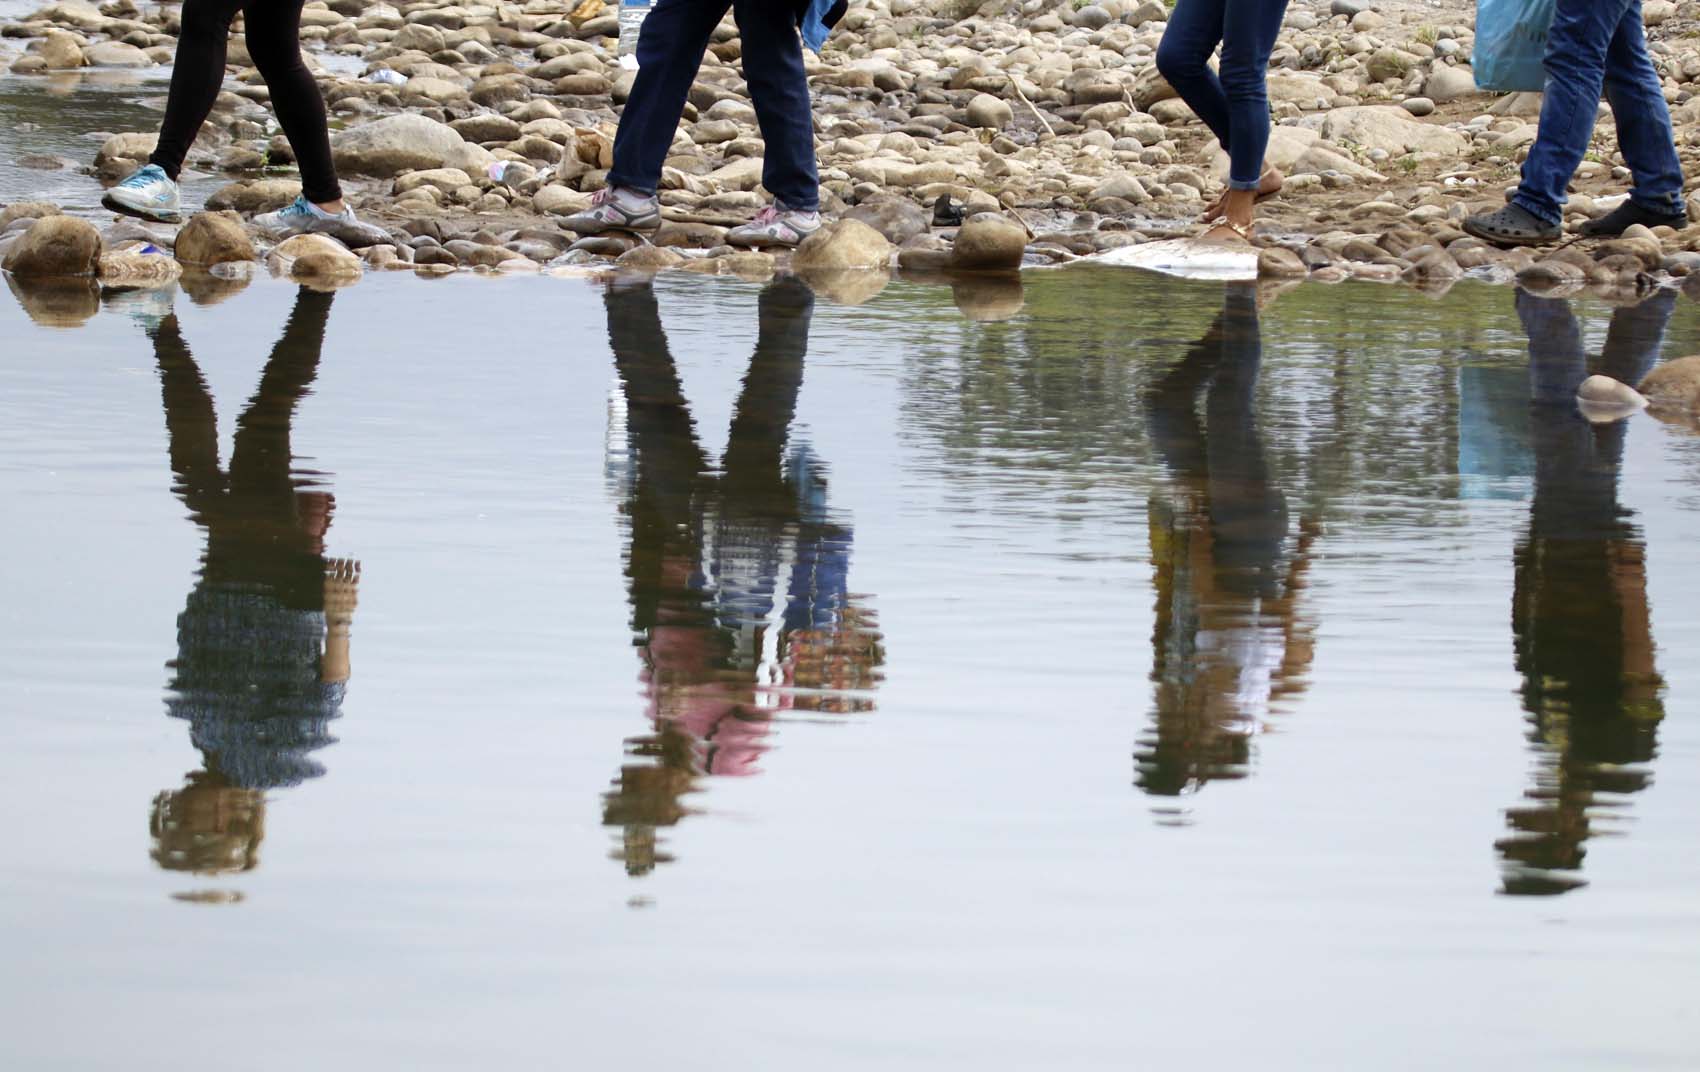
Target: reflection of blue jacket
{"type": "Point", "coordinates": [818, 18]}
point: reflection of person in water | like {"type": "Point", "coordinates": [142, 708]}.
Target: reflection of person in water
{"type": "Point", "coordinates": [1583, 631]}
{"type": "Point", "coordinates": [262, 644]}
{"type": "Point", "coordinates": [1229, 637]}
{"type": "Point", "coordinates": [738, 578]}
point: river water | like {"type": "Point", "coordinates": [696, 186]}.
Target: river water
{"type": "Point", "coordinates": [468, 673]}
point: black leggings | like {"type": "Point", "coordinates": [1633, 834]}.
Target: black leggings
{"type": "Point", "coordinates": [274, 41]}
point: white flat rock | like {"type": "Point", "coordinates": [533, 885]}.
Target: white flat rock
{"type": "Point", "coordinates": [1185, 258]}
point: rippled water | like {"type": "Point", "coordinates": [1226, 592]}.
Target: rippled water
{"type": "Point", "coordinates": [464, 673]}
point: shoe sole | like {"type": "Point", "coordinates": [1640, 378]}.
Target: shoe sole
{"type": "Point", "coordinates": [141, 214]}
{"type": "Point", "coordinates": [1508, 241]}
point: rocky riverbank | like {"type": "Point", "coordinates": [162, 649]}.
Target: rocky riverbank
{"type": "Point", "coordinates": [466, 131]}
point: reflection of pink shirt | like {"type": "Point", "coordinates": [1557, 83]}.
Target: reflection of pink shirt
{"type": "Point", "coordinates": [729, 719]}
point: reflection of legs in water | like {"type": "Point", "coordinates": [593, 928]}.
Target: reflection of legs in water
{"type": "Point", "coordinates": [1580, 615]}
{"type": "Point", "coordinates": [670, 616]}
{"type": "Point", "coordinates": [761, 419]}
{"type": "Point", "coordinates": [263, 639]}
{"type": "Point", "coordinates": [1218, 655]}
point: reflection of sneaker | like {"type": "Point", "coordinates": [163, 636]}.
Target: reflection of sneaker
{"type": "Point", "coordinates": [775, 225]}
{"type": "Point", "coordinates": [616, 208]}
{"type": "Point", "coordinates": [301, 216]}
{"type": "Point", "coordinates": [146, 193]}
{"type": "Point", "coordinates": [148, 308]}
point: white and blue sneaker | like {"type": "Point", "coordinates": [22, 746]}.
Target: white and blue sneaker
{"type": "Point", "coordinates": [147, 193]}
{"type": "Point", "coordinates": [301, 216]}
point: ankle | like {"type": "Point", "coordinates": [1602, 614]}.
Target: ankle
{"type": "Point", "coordinates": [331, 208]}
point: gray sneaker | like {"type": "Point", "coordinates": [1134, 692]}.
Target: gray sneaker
{"type": "Point", "coordinates": [775, 225]}
{"type": "Point", "coordinates": [615, 208]}
{"type": "Point", "coordinates": [147, 193]}
{"type": "Point", "coordinates": [301, 216]}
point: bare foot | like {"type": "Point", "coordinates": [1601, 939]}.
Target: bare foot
{"type": "Point", "coordinates": [1268, 185]}
{"type": "Point", "coordinates": [1233, 222]}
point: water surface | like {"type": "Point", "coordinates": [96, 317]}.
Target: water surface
{"type": "Point", "coordinates": [468, 672]}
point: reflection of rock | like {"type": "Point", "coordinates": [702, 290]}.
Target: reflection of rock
{"type": "Point", "coordinates": [843, 245]}
{"type": "Point", "coordinates": [845, 286]}
{"type": "Point", "coordinates": [140, 271]}
{"type": "Point", "coordinates": [1603, 399]}
{"type": "Point", "coordinates": [56, 303]}
{"type": "Point", "coordinates": [989, 243]}
{"type": "Point", "coordinates": [315, 260]}
{"type": "Point", "coordinates": [988, 297]}
{"type": "Point", "coordinates": [55, 246]}
{"type": "Point", "coordinates": [227, 280]}
{"type": "Point", "coordinates": [214, 238]}
{"type": "Point", "coordinates": [1674, 386]}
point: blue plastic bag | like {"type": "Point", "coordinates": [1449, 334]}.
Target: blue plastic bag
{"type": "Point", "coordinates": [1511, 41]}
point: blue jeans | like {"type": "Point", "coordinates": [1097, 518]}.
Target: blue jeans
{"type": "Point", "coordinates": [1234, 105]}
{"type": "Point", "coordinates": [1597, 45]}
{"type": "Point", "coordinates": [670, 51]}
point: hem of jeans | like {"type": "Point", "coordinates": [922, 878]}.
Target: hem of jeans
{"type": "Point", "coordinates": [323, 197]}
{"type": "Point", "coordinates": [1241, 184]}
{"type": "Point", "coordinates": [1554, 219]}
{"type": "Point", "coordinates": [1672, 205]}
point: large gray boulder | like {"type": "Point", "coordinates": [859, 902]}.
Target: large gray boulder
{"type": "Point", "coordinates": [397, 143]}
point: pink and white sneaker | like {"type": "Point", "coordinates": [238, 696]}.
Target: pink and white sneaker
{"type": "Point", "coordinates": [775, 225]}
{"type": "Point", "coordinates": [616, 208]}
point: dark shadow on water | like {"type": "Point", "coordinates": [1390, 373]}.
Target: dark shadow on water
{"type": "Point", "coordinates": [1230, 637]}
{"type": "Point", "coordinates": [263, 640]}
{"type": "Point", "coordinates": [738, 574]}
{"type": "Point", "coordinates": [1580, 614]}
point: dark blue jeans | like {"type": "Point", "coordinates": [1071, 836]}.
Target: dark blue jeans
{"type": "Point", "coordinates": [1595, 45]}
{"type": "Point", "coordinates": [1234, 104]}
{"type": "Point", "coordinates": [669, 53]}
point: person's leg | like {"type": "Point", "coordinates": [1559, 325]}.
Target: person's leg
{"type": "Point", "coordinates": [197, 72]}
{"type": "Point", "coordinates": [1249, 31]}
{"type": "Point", "coordinates": [1643, 119]}
{"type": "Point", "coordinates": [273, 32]}
{"type": "Point", "coordinates": [779, 89]}
{"type": "Point", "coordinates": [1577, 43]}
{"type": "Point", "coordinates": [669, 53]}
{"type": "Point", "coordinates": [1183, 58]}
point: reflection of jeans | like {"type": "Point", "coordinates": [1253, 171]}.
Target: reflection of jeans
{"type": "Point", "coordinates": [669, 53]}
{"type": "Point", "coordinates": [1595, 45]}
{"type": "Point", "coordinates": [1557, 362]}
{"type": "Point", "coordinates": [1235, 106]}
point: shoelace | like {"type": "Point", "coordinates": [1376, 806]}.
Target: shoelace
{"type": "Point", "coordinates": [766, 216]}
{"type": "Point", "coordinates": [139, 180]}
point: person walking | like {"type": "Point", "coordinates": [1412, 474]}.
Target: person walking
{"type": "Point", "coordinates": [1593, 45]}
{"type": "Point", "coordinates": [669, 53]}
{"type": "Point", "coordinates": [273, 35]}
{"type": "Point", "coordinates": [1233, 104]}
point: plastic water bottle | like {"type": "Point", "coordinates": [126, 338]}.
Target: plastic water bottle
{"type": "Point", "coordinates": [632, 14]}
